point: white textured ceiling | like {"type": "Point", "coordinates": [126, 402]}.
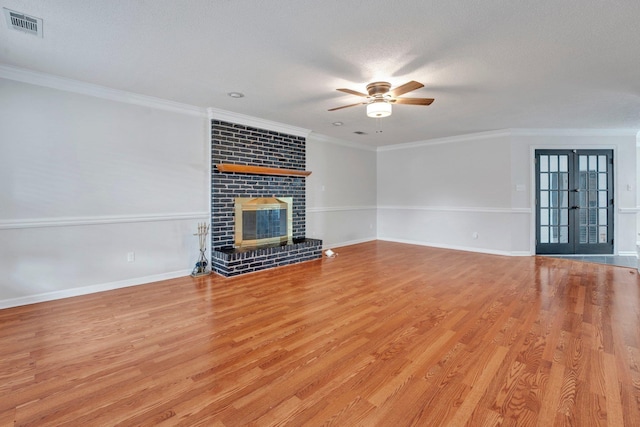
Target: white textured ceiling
{"type": "Point", "coordinates": [490, 64]}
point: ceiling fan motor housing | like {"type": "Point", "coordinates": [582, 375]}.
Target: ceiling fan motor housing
{"type": "Point", "coordinates": [378, 88]}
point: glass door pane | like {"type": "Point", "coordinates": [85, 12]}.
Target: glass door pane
{"type": "Point", "coordinates": [553, 198]}
{"type": "Point", "coordinates": [594, 200]}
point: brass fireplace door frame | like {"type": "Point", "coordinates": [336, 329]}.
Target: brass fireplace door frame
{"type": "Point", "coordinates": [262, 203]}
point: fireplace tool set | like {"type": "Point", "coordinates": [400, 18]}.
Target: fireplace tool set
{"type": "Point", "coordinates": [201, 267]}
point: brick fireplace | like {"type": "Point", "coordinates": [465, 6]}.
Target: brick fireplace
{"type": "Point", "coordinates": [244, 145]}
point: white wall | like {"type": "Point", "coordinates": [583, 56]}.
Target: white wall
{"type": "Point", "coordinates": [440, 193]}
{"type": "Point", "coordinates": [341, 191]}
{"type": "Point", "coordinates": [85, 180]}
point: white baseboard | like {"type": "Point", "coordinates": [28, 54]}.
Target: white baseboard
{"type": "Point", "coordinates": [458, 248]}
{"type": "Point", "coordinates": [521, 253]}
{"type": "Point", "coordinates": [84, 290]}
{"type": "Point", "coordinates": [348, 243]}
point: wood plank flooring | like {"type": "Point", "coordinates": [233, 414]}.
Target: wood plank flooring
{"type": "Point", "coordinates": [385, 334]}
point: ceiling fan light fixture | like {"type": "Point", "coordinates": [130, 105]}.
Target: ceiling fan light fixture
{"type": "Point", "coordinates": [378, 109]}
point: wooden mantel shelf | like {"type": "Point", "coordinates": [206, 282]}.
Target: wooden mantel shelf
{"type": "Point", "coordinates": [260, 170]}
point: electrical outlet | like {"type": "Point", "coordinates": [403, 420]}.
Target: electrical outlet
{"type": "Point", "coordinates": [131, 257]}
{"type": "Point", "coordinates": [474, 234]}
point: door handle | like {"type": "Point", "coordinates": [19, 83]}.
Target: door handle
{"type": "Point", "coordinates": [575, 207]}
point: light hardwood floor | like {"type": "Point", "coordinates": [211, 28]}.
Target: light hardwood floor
{"type": "Point", "coordinates": [385, 334]}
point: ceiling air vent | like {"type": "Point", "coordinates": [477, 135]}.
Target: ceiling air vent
{"type": "Point", "coordinates": [25, 23]}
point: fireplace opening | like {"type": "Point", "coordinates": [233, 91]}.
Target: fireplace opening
{"type": "Point", "coordinates": [263, 221]}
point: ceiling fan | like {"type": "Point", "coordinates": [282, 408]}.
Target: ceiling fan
{"type": "Point", "coordinates": [381, 98]}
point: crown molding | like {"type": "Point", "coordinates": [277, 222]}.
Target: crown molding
{"type": "Point", "coordinates": [447, 140]}
{"type": "Point", "coordinates": [242, 119]}
{"type": "Point", "coordinates": [330, 140]}
{"type": "Point", "coordinates": [514, 132]}
{"type": "Point", "coordinates": [573, 132]}
{"type": "Point", "coordinates": [90, 89]}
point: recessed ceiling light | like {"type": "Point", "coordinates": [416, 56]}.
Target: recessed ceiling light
{"type": "Point", "coordinates": [236, 94]}
{"type": "Point", "coordinates": [337, 123]}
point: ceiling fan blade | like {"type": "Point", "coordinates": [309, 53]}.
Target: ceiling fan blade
{"type": "Point", "coordinates": [346, 106]}
{"type": "Point", "coordinates": [352, 92]}
{"type": "Point", "coordinates": [413, 101]}
{"type": "Point", "coordinates": [407, 87]}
